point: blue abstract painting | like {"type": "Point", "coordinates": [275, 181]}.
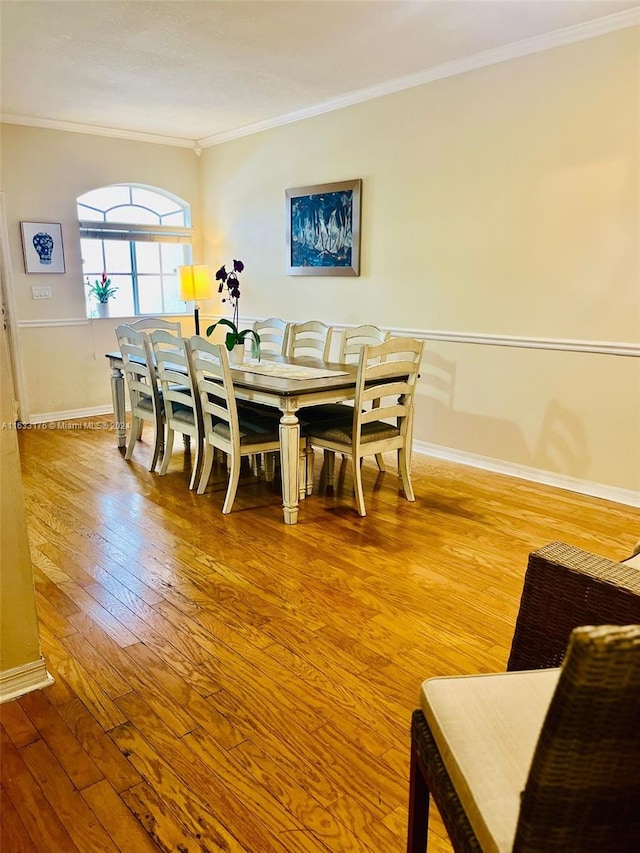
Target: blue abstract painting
{"type": "Point", "coordinates": [322, 229]}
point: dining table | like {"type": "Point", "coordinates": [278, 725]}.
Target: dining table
{"type": "Point", "coordinates": [285, 383]}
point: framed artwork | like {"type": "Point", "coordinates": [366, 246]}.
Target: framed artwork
{"type": "Point", "coordinates": [323, 229]}
{"type": "Point", "coordinates": [42, 247]}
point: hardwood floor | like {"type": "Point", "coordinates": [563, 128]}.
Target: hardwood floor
{"type": "Point", "coordinates": [231, 683]}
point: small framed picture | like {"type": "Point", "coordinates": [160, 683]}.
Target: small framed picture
{"type": "Point", "coordinates": [42, 247]}
{"type": "Point", "coordinates": [323, 229]}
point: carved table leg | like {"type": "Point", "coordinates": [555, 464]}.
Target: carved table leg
{"type": "Point", "coordinates": [289, 452]}
{"type": "Point", "coordinates": [117, 394]}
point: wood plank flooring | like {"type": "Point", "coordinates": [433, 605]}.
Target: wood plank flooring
{"type": "Point", "coordinates": [228, 683]}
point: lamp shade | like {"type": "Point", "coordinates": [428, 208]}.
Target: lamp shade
{"type": "Point", "coordinates": [195, 282]}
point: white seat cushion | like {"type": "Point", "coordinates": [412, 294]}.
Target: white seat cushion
{"type": "Point", "coordinates": [632, 561]}
{"type": "Point", "coordinates": [486, 728]}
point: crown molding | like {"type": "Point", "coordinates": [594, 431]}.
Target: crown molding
{"type": "Point", "coordinates": [514, 50]}
{"type": "Point", "coordinates": [96, 130]}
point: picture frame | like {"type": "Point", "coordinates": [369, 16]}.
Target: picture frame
{"type": "Point", "coordinates": [323, 229]}
{"type": "Point", "coordinates": [42, 247]}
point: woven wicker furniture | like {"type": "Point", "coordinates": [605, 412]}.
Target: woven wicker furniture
{"type": "Point", "coordinates": [581, 791]}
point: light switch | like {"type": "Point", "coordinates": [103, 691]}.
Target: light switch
{"type": "Point", "coordinates": [41, 292]}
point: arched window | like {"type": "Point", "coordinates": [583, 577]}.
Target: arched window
{"type": "Point", "coordinates": [137, 235]}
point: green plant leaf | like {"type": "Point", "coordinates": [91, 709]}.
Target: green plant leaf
{"type": "Point", "coordinates": [223, 322]}
{"type": "Point", "coordinates": [255, 343]}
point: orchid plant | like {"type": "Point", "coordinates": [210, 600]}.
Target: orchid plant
{"type": "Point", "coordinates": [230, 282]}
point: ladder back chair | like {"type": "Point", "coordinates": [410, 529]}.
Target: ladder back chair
{"type": "Point", "coordinates": [312, 338]}
{"type": "Point", "coordinates": [368, 432]}
{"type": "Point", "coordinates": [144, 394]}
{"type": "Point", "coordinates": [353, 339]}
{"type": "Point", "coordinates": [273, 334]}
{"type": "Point", "coordinates": [149, 324]}
{"type": "Point", "coordinates": [224, 429]}
{"type": "Point", "coordinates": [541, 760]}
{"type": "Point", "coordinates": [182, 409]}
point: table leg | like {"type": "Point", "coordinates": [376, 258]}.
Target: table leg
{"type": "Point", "coordinates": [289, 452]}
{"type": "Point", "coordinates": [117, 394]}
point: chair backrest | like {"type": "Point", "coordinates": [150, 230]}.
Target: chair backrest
{"type": "Point", "coordinates": [173, 369]}
{"type": "Point", "coordinates": [583, 789]}
{"type": "Point", "coordinates": [273, 335]}
{"type": "Point", "coordinates": [380, 395]}
{"type": "Point", "coordinates": [311, 338]}
{"type": "Point", "coordinates": [353, 339]}
{"type": "Point", "coordinates": [138, 366]}
{"type": "Point", "coordinates": [148, 324]}
{"type": "Point", "coordinates": [215, 387]}
{"type": "Point", "coordinates": [564, 588]}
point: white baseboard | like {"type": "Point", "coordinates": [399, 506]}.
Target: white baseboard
{"type": "Point", "coordinates": [438, 451]}
{"type": "Point", "coordinates": [23, 679]}
{"type": "Point", "coordinates": [526, 472]}
{"type": "Point", "coordinates": [71, 414]}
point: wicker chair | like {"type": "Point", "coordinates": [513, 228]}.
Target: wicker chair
{"type": "Point", "coordinates": [573, 736]}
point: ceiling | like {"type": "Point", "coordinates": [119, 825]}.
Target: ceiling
{"type": "Point", "coordinates": [207, 70]}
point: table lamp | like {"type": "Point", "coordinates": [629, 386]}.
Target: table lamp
{"type": "Point", "coordinates": [195, 284]}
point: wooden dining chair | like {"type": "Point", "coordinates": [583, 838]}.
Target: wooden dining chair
{"type": "Point", "coordinates": [149, 324]}
{"type": "Point", "coordinates": [353, 339]}
{"type": "Point", "coordinates": [541, 760]}
{"type": "Point", "coordinates": [273, 334]}
{"type": "Point", "coordinates": [144, 392]}
{"type": "Point", "coordinates": [312, 338]}
{"type": "Point", "coordinates": [225, 429]}
{"type": "Point", "coordinates": [386, 427]}
{"type": "Point", "coordinates": [182, 409]}
{"type": "Point", "coordinates": [356, 337]}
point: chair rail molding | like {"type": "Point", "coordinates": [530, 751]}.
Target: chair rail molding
{"type": "Point", "coordinates": [622, 348]}
{"type": "Point", "coordinates": [61, 321]}
{"type": "Point", "coordinates": [524, 342]}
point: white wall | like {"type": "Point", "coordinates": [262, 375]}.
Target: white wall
{"type": "Point", "coordinates": [43, 173]}
{"type": "Point", "coordinates": [503, 201]}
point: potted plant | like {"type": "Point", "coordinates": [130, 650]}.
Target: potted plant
{"type": "Point", "coordinates": [103, 291]}
{"type": "Point", "coordinates": [234, 340]}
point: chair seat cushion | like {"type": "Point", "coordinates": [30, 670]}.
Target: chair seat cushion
{"type": "Point", "coordinates": [341, 432]}
{"type": "Point", "coordinates": [145, 403]}
{"type": "Point", "coordinates": [486, 728]}
{"type": "Point", "coordinates": [325, 412]}
{"type": "Point", "coordinates": [260, 409]}
{"type": "Point", "coordinates": [183, 413]}
{"type": "Point", "coordinates": [255, 431]}
{"type": "Point", "coordinates": [633, 561]}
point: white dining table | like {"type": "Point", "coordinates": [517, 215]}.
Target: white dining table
{"type": "Point", "coordinates": [301, 382]}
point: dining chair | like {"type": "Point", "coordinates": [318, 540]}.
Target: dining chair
{"type": "Point", "coordinates": [225, 429]}
{"type": "Point", "coordinates": [540, 759]}
{"type": "Point", "coordinates": [311, 338]}
{"type": "Point", "coordinates": [273, 335]}
{"type": "Point", "coordinates": [182, 410]}
{"type": "Point", "coordinates": [356, 337]}
{"type": "Point", "coordinates": [148, 324]}
{"type": "Point", "coordinates": [387, 426]}
{"type": "Point", "coordinates": [353, 339]}
{"type": "Point", "coordinates": [144, 393]}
